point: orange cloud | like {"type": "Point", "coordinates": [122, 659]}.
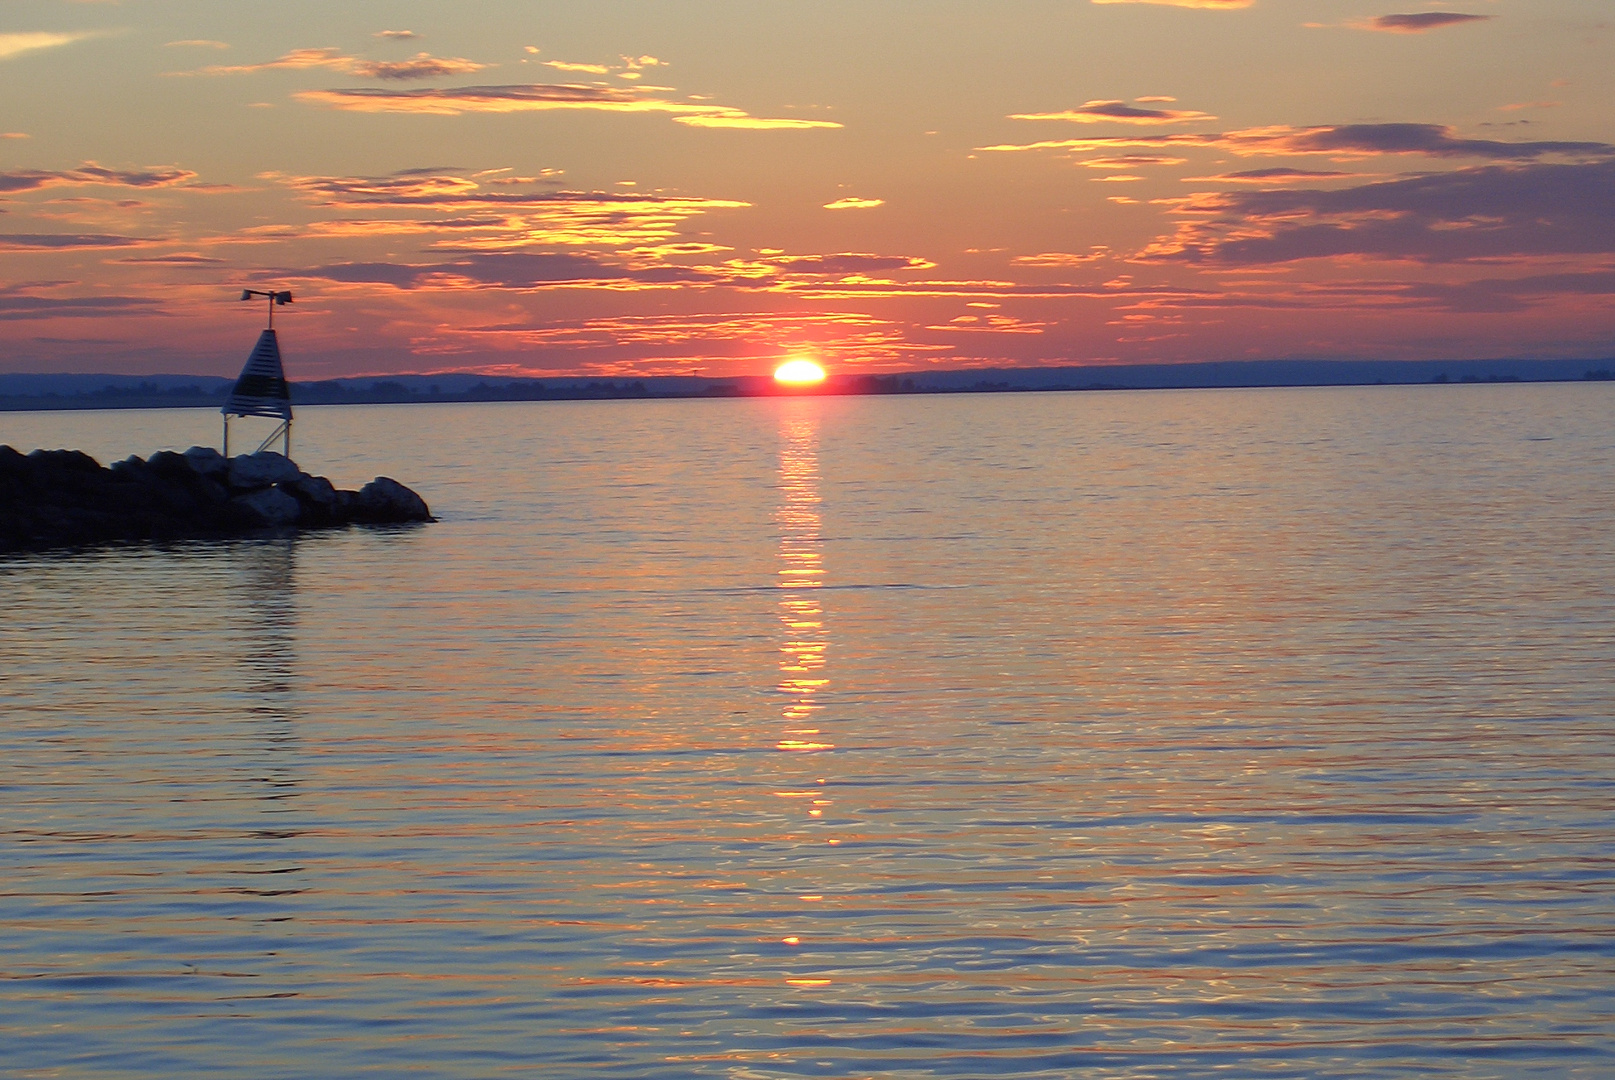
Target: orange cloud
{"type": "Point", "coordinates": [854, 203]}
{"type": "Point", "coordinates": [525, 97]}
{"type": "Point", "coordinates": [90, 173]}
{"type": "Point", "coordinates": [296, 60]}
{"type": "Point", "coordinates": [1059, 258]}
{"type": "Point", "coordinates": [1098, 112]}
{"type": "Point", "coordinates": [631, 67]}
{"type": "Point", "coordinates": [1210, 5]}
{"type": "Point", "coordinates": [535, 97]}
{"type": "Point", "coordinates": [524, 218]}
{"type": "Point", "coordinates": [753, 123]}
{"type": "Point", "coordinates": [680, 344]}
{"type": "Point", "coordinates": [421, 66]}
{"type": "Point", "coordinates": [991, 324]}
{"type": "Point", "coordinates": [847, 262]}
{"type": "Point", "coordinates": [1271, 176]}
{"type": "Point", "coordinates": [683, 329]}
{"type": "Point", "coordinates": [1130, 161]}
{"type": "Point", "coordinates": [16, 44]}
{"type": "Point", "coordinates": [1340, 141]}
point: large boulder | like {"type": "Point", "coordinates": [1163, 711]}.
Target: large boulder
{"type": "Point", "coordinates": [314, 490]}
{"type": "Point", "coordinates": [132, 467]}
{"type": "Point", "coordinates": [263, 469]}
{"type": "Point", "coordinates": [206, 461]}
{"type": "Point", "coordinates": [169, 465]}
{"type": "Point", "coordinates": [65, 461]}
{"type": "Point", "coordinates": [272, 506]}
{"type": "Point", "coordinates": [322, 503]}
{"type": "Point", "coordinates": [385, 499]}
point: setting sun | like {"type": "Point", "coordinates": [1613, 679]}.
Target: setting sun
{"type": "Point", "coordinates": [798, 373]}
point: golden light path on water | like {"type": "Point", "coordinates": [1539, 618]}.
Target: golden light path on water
{"type": "Point", "coordinates": [803, 652]}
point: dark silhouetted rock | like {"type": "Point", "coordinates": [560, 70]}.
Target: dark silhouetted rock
{"type": "Point", "coordinates": [206, 461]}
{"type": "Point", "coordinates": [272, 506]}
{"type": "Point", "coordinates": [252, 471]}
{"type": "Point", "coordinates": [64, 498]}
{"type": "Point", "coordinates": [385, 499]}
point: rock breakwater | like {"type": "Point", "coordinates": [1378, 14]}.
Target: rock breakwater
{"type": "Point", "coordinates": [62, 498]}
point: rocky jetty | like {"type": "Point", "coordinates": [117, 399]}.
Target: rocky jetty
{"type": "Point", "coordinates": [64, 498]}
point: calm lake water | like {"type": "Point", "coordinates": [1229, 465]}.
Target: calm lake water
{"type": "Point", "coordinates": [1258, 733]}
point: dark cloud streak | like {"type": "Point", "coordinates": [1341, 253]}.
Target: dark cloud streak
{"type": "Point", "coordinates": [506, 270]}
{"type": "Point", "coordinates": [67, 241]}
{"type": "Point", "coordinates": [1092, 112]}
{"type": "Point", "coordinates": [17, 308]}
{"type": "Point", "coordinates": [1424, 20]}
{"type": "Point", "coordinates": [1339, 140]}
{"type": "Point", "coordinates": [1490, 212]}
{"type": "Point", "coordinates": [154, 176]}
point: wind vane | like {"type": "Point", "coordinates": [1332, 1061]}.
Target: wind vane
{"type": "Point", "coordinates": [261, 389]}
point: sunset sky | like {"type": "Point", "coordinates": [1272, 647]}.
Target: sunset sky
{"type": "Point", "coordinates": [704, 187]}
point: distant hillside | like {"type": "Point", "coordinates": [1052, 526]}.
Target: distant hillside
{"type": "Point", "coordinates": [27, 392]}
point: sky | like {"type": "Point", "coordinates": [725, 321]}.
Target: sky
{"type": "Point", "coordinates": [532, 188]}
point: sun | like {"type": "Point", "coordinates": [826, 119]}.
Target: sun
{"type": "Point", "coordinates": [799, 373]}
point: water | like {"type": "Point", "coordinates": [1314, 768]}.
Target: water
{"type": "Point", "coordinates": [1169, 734]}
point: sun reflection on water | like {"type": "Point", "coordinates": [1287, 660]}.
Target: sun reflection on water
{"type": "Point", "coordinates": [806, 639]}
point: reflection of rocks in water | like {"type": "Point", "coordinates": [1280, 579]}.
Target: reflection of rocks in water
{"type": "Point", "coordinates": [264, 593]}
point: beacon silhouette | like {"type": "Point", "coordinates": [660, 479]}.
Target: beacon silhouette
{"type": "Point", "coordinates": [261, 390]}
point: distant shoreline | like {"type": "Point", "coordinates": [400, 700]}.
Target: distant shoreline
{"type": "Point", "coordinates": [71, 393]}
